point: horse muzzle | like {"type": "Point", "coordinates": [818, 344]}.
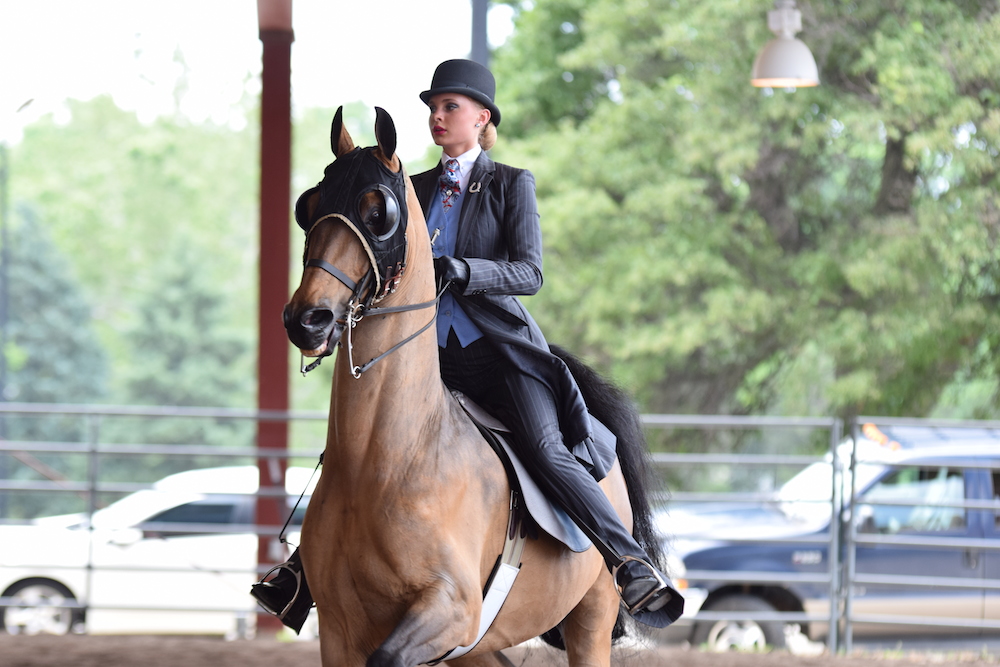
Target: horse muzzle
{"type": "Point", "coordinates": [314, 330]}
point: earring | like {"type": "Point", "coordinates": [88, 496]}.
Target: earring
{"type": "Point", "coordinates": [477, 124]}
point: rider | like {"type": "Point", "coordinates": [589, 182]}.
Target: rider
{"type": "Point", "coordinates": [483, 218]}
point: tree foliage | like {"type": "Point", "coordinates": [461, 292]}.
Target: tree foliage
{"type": "Point", "coordinates": [725, 249]}
{"type": "Point", "coordinates": [52, 353]}
{"type": "Point", "coordinates": [159, 223]}
{"type": "Point", "coordinates": [717, 248]}
{"type": "Point", "coordinates": [133, 282]}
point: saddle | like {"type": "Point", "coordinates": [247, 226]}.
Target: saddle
{"type": "Point", "coordinates": [597, 458]}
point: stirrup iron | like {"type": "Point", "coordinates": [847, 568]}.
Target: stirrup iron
{"type": "Point", "coordinates": [298, 589]}
{"type": "Point", "coordinates": [661, 583]}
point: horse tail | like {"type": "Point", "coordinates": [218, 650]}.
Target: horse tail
{"type": "Point", "coordinates": [616, 410]}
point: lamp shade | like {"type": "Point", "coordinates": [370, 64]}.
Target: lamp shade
{"type": "Point", "coordinates": [785, 62]}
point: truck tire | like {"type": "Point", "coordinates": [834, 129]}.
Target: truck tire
{"type": "Point", "coordinates": [36, 609]}
{"type": "Point", "coordinates": [721, 636]}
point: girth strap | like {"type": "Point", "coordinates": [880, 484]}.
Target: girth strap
{"type": "Point", "coordinates": [501, 579]}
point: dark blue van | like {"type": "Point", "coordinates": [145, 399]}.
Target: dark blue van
{"type": "Point", "coordinates": [927, 505]}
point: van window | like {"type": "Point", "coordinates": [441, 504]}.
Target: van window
{"type": "Point", "coordinates": [914, 500]}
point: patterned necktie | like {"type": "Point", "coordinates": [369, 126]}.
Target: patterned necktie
{"type": "Point", "coordinates": [448, 183]}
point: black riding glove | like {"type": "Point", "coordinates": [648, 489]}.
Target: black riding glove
{"type": "Point", "coordinates": [451, 269]}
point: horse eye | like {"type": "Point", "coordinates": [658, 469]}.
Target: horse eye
{"type": "Point", "coordinates": [373, 213]}
{"type": "Point", "coordinates": [378, 211]}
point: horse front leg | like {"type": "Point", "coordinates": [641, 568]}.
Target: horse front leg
{"type": "Point", "coordinates": [440, 619]}
{"type": "Point", "coordinates": [334, 647]}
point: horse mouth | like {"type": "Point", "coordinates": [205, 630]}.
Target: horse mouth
{"type": "Point", "coordinates": [326, 347]}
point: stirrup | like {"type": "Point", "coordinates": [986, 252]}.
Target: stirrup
{"type": "Point", "coordinates": [298, 589]}
{"type": "Point", "coordinates": [656, 591]}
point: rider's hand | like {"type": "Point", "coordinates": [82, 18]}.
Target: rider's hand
{"type": "Point", "coordinates": [451, 269]}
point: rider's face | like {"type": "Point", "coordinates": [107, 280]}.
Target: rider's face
{"type": "Point", "coordinates": [452, 122]}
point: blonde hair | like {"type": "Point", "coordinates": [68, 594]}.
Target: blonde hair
{"type": "Point", "coordinates": [488, 136]}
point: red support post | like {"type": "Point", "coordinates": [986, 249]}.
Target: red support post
{"type": "Point", "coordinates": [272, 349]}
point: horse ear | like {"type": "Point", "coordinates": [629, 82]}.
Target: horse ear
{"type": "Point", "coordinates": [340, 139]}
{"type": "Point", "coordinates": [385, 132]}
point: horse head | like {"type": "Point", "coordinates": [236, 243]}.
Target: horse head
{"type": "Point", "coordinates": [355, 221]}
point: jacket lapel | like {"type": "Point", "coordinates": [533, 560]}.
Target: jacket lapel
{"type": "Point", "coordinates": [478, 183]}
{"type": "Point", "coordinates": [427, 188]}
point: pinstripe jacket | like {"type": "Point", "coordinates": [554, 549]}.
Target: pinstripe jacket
{"type": "Point", "coordinates": [500, 238]}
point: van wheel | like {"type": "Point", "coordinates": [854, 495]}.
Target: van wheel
{"type": "Point", "coordinates": [739, 635]}
{"type": "Point", "coordinates": [36, 608]}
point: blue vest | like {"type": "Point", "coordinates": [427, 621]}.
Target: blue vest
{"type": "Point", "coordinates": [450, 314]}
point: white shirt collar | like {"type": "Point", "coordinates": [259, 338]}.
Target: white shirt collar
{"type": "Point", "coordinates": [465, 161]}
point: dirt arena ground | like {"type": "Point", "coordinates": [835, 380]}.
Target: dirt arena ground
{"type": "Point", "coordinates": [115, 651]}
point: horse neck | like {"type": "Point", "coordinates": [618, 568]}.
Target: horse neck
{"type": "Point", "coordinates": [380, 413]}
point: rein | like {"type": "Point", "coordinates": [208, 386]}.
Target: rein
{"type": "Point", "coordinates": [355, 311]}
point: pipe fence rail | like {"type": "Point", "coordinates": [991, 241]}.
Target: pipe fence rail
{"type": "Point", "coordinates": [839, 579]}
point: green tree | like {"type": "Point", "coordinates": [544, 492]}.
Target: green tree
{"type": "Point", "coordinates": [190, 345]}
{"type": "Point", "coordinates": [124, 201]}
{"type": "Point", "coordinates": [726, 249]}
{"type": "Point", "coordinates": [52, 352]}
{"type": "Point", "coordinates": [158, 223]}
{"type": "Point", "coordinates": [52, 355]}
{"type": "Point", "coordinates": [539, 86]}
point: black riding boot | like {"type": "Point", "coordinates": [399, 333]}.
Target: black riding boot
{"type": "Point", "coordinates": [644, 590]}
{"type": "Point", "coordinates": [286, 595]}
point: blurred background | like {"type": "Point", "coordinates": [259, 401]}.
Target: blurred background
{"type": "Point", "coordinates": [715, 247]}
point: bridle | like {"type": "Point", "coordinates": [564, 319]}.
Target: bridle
{"type": "Point", "coordinates": [357, 308]}
{"type": "Point", "coordinates": [387, 249]}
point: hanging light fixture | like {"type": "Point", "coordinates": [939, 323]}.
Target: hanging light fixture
{"type": "Point", "coordinates": [784, 62]}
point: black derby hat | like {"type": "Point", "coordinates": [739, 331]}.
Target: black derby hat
{"type": "Point", "coordinates": [468, 78]}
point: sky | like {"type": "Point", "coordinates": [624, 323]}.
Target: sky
{"type": "Point", "coordinates": [382, 52]}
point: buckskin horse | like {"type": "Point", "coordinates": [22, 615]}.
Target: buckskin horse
{"type": "Point", "coordinates": [413, 507]}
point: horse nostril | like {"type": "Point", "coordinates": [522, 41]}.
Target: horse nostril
{"type": "Point", "coordinates": [317, 318]}
{"type": "Point", "coordinates": [312, 320]}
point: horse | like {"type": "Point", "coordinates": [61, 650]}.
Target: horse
{"type": "Point", "coordinates": [412, 506]}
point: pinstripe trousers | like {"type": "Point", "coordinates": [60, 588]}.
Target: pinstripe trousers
{"type": "Point", "coordinates": [527, 407]}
